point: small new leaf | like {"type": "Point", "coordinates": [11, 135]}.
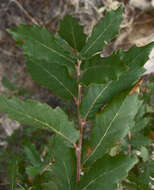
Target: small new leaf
{"type": "Point", "coordinates": [35, 114]}
{"type": "Point", "coordinates": [103, 33]}
{"type": "Point", "coordinates": [72, 32]}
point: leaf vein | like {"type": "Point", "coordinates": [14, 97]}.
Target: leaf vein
{"type": "Point", "coordinates": [101, 140]}
{"type": "Point", "coordinates": [101, 175]}
{"type": "Point", "coordinates": [53, 76]}
{"type": "Point", "coordinates": [99, 36]}
{"type": "Point", "coordinates": [68, 179]}
{"type": "Point", "coordinates": [53, 50]}
{"type": "Point", "coordinates": [92, 105]}
{"type": "Point", "coordinates": [42, 123]}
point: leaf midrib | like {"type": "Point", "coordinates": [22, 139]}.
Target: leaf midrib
{"type": "Point", "coordinates": [67, 176]}
{"type": "Point", "coordinates": [39, 121]}
{"type": "Point", "coordinates": [92, 181]}
{"type": "Point", "coordinates": [97, 97]}
{"type": "Point", "coordinates": [51, 49]}
{"type": "Point", "coordinates": [93, 43]}
{"type": "Point", "coordinates": [73, 36]}
{"type": "Point", "coordinates": [53, 76]}
{"type": "Point", "coordinates": [110, 125]}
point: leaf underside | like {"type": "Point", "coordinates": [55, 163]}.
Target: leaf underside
{"type": "Point", "coordinates": [35, 114]}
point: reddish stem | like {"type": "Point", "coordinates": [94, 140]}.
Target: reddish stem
{"type": "Point", "coordinates": [80, 126]}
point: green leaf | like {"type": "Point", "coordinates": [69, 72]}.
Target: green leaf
{"type": "Point", "coordinates": [138, 141]}
{"type": "Point", "coordinates": [144, 153]}
{"type": "Point", "coordinates": [140, 125]}
{"type": "Point", "coordinates": [103, 70]}
{"type": "Point", "coordinates": [72, 32]}
{"type": "Point", "coordinates": [140, 121]}
{"type": "Point", "coordinates": [151, 167]}
{"type": "Point", "coordinates": [12, 172]}
{"type": "Point", "coordinates": [106, 172]}
{"type": "Point", "coordinates": [64, 163]}
{"type": "Point", "coordinates": [40, 44]}
{"type": "Point", "coordinates": [35, 114]}
{"type": "Point", "coordinates": [66, 46]}
{"type": "Point", "coordinates": [49, 185]}
{"type": "Point", "coordinates": [128, 186]}
{"type": "Point", "coordinates": [103, 32]}
{"type": "Point", "coordinates": [136, 57]}
{"type": "Point", "coordinates": [142, 179]}
{"type": "Point", "coordinates": [34, 171]}
{"type": "Point", "coordinates": [111, 125]}
{"type": "Point", "coordinates": [53, 76]}
{"type": "Point", "coordinates": [97, 95]}
{"type": "Point", "coordinates": [150, 109]}
{"type": "Point", "coordinates": [32, 154]}
{"type": "Point", "coordinates": [141, 112]}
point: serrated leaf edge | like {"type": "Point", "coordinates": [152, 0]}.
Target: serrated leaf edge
{"type": "Point", "coordinates": [135, 161]}
{"type": "Point", "coordinates": [99, 36]}
{"type": "Point", "coordinates": [52, 50]}
{"type": "Point", "coordinates": [97, 146]}
{"type": "Point", "coordinates": [137, 55]}
{"type": "Point", "coordinates": [42, 123]}
{"type": "Point", "coordinates": [52, 76]}
{"type": "Point", "coordinates": [92, 105]}
{"type": "Point", "coordinates": [49, 48]}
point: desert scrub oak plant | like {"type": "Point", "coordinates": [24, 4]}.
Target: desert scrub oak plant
{"type": "Point", "coordinates": [70, 65]}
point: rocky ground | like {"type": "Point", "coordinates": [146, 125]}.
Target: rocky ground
{"type": "Point", "coordinates": [137, 28]}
